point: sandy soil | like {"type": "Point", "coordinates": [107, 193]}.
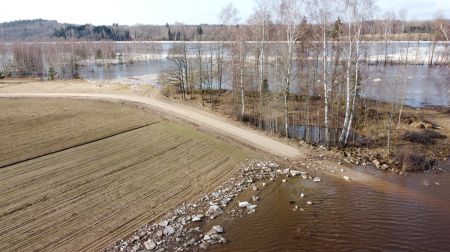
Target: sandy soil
{"type": "Point", "coordinates": [86, 197]}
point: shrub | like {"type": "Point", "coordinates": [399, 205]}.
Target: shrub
{"type": "Point", "coordinates": [423, 137]}
{"type": "Point", "coordinates": [413, 161]}
{"type": "Point", "coordinates": [51, 73]}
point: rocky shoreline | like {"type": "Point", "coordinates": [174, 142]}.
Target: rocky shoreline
{"type": "Point", "coordinates": [189, 227]}
{"type": "Point", "coordinates": [196, 225]}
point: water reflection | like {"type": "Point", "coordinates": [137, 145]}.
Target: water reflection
{"type": "Point", "coordinates": [315, 134]}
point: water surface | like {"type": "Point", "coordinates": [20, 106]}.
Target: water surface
{"type": "Point", "coordinates": [390, 213]}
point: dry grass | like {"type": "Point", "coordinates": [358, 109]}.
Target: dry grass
{"type": "Point", "coordinates": [85, 198]}
{"type": "Point", "coordinates": [423, 137]}
{"type": "Point", "coordinates": [413, 161]}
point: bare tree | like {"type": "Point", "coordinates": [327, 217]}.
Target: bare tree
{"type": "Point", "coordinates": [357, 11]}
{"type": "Point", "coordinates": [177, 72]}
{"type": "Point", "coordinates": [261, 20]}
{"type": "Point", "coordinates": [230, 18]}
{"type": "Point", "coordinates": [289, 18]}
{"type": "Point", "coordinates": [322, 13]}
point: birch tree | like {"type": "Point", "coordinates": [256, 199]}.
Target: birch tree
{"type": "Point", "coordinates": [289, 18]}
{"type": "Point", "coordinates": [322, 13]}
{"type": "Point", "coordinates": [356, 13]}
{"type": "Point", "coordinates": [261, 20]}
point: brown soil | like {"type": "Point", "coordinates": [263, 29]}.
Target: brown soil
{"type": "Point", "coordinates": [33, 127]}
{"type": "Point", "coordinates": [115, 179]}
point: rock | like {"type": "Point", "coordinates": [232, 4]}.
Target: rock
{"type": "Point", "coordinates": [309, 203]}
{"type": "Point", "coordinates": [317, 179]}
{"type": "Point", "coordinates": [255, 198]}
{"type": "Point", "coordinates": [273, 165]}
{"type": "Point", "coordinates": [215, 194]}
{"type": "Point", "coordinates": [218, 238]}
{"type": "Point", "coordinates": [346, 178]}
{"type": "Point", "coordinates": [384, 167]}
{"type": "Point", "coordinates": [250, 211]}
{"type": "Point", "coordinates": [136, 247]}
{"type": "Point", "coordinates": [263, 184]}
{"type": "Point", "coordinates": [217, 229]}
{"type": "Point", "coordinates": [206, 238]}
{"type": "Point", "coordinates": [203, 245]}
{"type": "Point", "coordinates": [376, 163]}
{"type": "Point", "coordinates": [196, 218]}
{"type": "Point", "coordinates": [295, 173]}
{"type": "Point", "coordinates": [214, 211]}
{"type": "Point", "coordinates": [164, 223]}
{"type": "Point", "coordinates": [169, 230]}
{"type": "Point", "coordinates": [255, 188]}
{"type": "Point", "coordinates": [244, 204]}
{"type": "Point", "coordinates": [251, 207]}
{"type": "Point", "coordinates": [342, 170]}
{"type": "Point", "coordinates": [304, 177]}
{"type": "Point", "coordinates": [284, 180]}
{"type": "Point", "coordinates": [302, 195]}
{"type": "Point", "coordinates": [226, 201]}
{"type": "Point", "coordinates": [149, 244]}
{"type": "Point", "coordinates": [159, 233]}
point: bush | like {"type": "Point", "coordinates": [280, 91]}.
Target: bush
{"type": "Point", "coordinates": [423, 137]}
{"type": "Point", "coordinates": [51, 73]}
{"type": "Point", "coordinates": [412, 161]}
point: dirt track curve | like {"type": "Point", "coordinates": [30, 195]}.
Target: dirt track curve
{"type": "Point", "coordinates": [212, 122]}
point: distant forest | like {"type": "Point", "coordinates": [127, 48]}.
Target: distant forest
{"type": "Point", "coordinates": [50, 30]}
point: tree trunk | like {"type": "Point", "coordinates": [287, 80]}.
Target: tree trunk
{"type": "Point", "coordinates": [242, 93]}
{"type": "Point", "coordinates": [347, 94]}
{"type": "Point", "coordinates": [325, 85]}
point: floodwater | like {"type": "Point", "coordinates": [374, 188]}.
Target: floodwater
{"type": "Point", "coordinates": [316, 135]}
{"type": "Point", "coordinates": [420, 85]}
{"type": "Point", "coordinates": [119, 71]}
{"type": "Point", "coordinates": [388, 212]}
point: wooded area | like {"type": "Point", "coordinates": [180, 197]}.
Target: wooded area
{"type": "Point", "coordinates": [298, 63]}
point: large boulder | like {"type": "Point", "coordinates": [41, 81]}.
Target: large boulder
{"type": "Point", "coordinates": [214, 211]}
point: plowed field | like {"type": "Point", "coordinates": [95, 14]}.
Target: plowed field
{"type": "Point", "coordinates": [86, 173]}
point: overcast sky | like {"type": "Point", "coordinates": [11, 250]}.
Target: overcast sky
{"type": "Point", "coordinates": [168, 11]}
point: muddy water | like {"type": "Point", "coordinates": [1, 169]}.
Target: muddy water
{"type": "Point", "coordinates": [388, 213]}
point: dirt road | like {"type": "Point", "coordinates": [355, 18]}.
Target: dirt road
{"type": "Point", "coordinates": [198, 117]}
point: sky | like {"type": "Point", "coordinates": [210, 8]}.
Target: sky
{"type": "Point", "coordinates": [130, 12]}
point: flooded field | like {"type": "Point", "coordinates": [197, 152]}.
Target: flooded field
{"type": "Point", "coordinates": [387, 213]}
{"type": "Point", "coordinates": [424, 85]}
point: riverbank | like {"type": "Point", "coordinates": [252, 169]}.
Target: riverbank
{"type": "Point", "coordinates": [199, 224]}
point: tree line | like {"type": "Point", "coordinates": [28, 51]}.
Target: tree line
{"type": "Point", "coordinates": [39, 30]}
{"type": "Point", "coordinates": [304, 63]}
